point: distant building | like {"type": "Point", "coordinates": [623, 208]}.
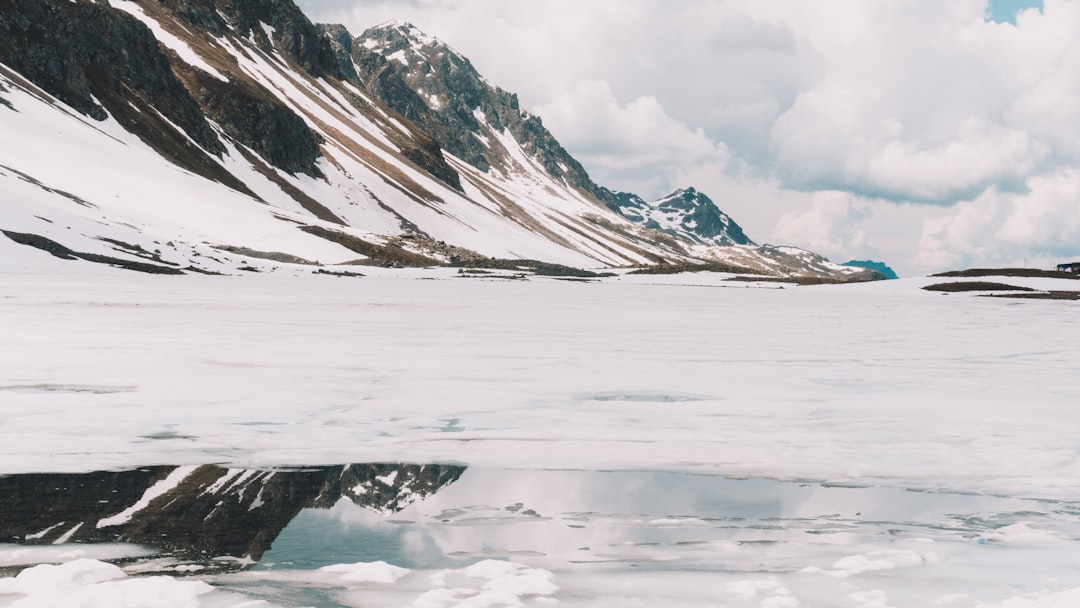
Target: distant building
{"type": "Point", "coordinates": [1073, 267]}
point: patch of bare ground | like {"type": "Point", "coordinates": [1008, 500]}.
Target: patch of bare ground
{"type": "Point", "coordinates": [337, 273]}
{"type": "Point", "coordinates": [1039, 295]}
{"type": "Point", "coordinates": [963, 286]}
{"type": "Point", "coordinates": [475, 273]}
{"type": "Point", "coordinates": [1008, 272]}
{"type": "Point", "coordinates": [137, 250]}
{"type": "Point", "coordinates": [789, 280]}
{"type": "Point", "coordinates": [538, 268]}
{"type": "Point", "coordinates": [427, 246]}
{"type": "Point", "coordinates": [309, 204]}
{"type": "Point", "coordinates": [706, 267]}
{"type": "Point", "coordinates": [389, 255]}
{"type": "Point", "coordinates": [57, 250]}
{"type": "Point", "coordinates": [274, 256]}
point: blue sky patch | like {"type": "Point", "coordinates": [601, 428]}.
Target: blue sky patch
{"type": "Point", "coordinates": [1004, 11]}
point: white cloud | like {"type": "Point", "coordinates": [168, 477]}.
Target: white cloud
{"type": "Point", "coordinates": [829, 226]}
{"type": "Point", "coordinates": [933, 104]}
{"type": "Point", "coordinates": [635, 146]}
{"type": "Point", "coordinates": [1038, 228]}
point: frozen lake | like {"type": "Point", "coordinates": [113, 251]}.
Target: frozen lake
{"type": "Point", "coordinates": [636, 441]}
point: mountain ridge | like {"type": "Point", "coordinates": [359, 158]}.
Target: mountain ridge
{"type": "Point", "coordinates": [384, 148]}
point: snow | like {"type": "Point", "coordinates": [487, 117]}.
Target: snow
{"type": "Point", "coordinates": [87, 583]}
{"type": "Point", "coordinates": [66, 536]}
{"type": "Point", "coordinates": [871, 390]}
{"type": "Point", "coordinates": [865, 391]}
{"type": "Point", "coordinates": [158, 489]}
{"type": "Point", "coordinates": [28, 555]}
{"type": "Point", "coordinates": [373, 572]}
{"type": "Point", "coordinates": [809, 383]}
{"type": "Point", "coordinates": [927, 390]}
{"type": "Point", "coordinates": [168, 39]}
{"type": "Point", "coordinates": [114, 173]}
{"type": "Point", "coordinates": [269, 31]}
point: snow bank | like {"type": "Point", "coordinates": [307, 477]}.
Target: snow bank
{"type": "Point", "coordinates": [487, 584]}
{"type": "Point", "coordinates": [87, 583]}
{"type": "Point", "coordinates": [370, 572]}
{"type": "Point", "coordinates": [28, 555]}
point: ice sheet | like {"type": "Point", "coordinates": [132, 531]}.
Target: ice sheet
{"type": "Point", "coordinates": [846, 384]}
{"type": "Point", "coordinates": [877, 385]}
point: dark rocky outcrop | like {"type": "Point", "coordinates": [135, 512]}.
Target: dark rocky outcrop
{"type": "Point", "coordinates": [294, 35]}
{"type": "Point", "coordinates": [80, 51]}
{"type": "Point", "coordinates": [102, 62]}
{"type": "Point", "coordinates": [64, 253]}
{"type": "Point", "coordinates": [261, 122]}
{"type": "Point", "coordinates": [377, 77]}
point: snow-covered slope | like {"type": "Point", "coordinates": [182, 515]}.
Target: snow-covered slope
{"type": "Point", "coordinates": [212, 136]}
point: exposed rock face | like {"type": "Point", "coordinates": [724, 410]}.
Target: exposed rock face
{"type": "Point", "coordinates": [437, 88]}
{"type": "Point", "coordinates": [246, 111]}
{"type": "Point", "coordinates": [103, 62]}
{"type": "Point", "coordinates": [262, 123]}
{"type": "Point", "coordinates": [687, 214]}
{"type": "Point", "coordinates": [293, 33]}
{"type": "Point", "coordinates": [198, 513]}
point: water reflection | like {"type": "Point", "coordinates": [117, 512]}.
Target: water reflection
{"type": "Point", "coordinates": [266, 533]}
{"type": "Point", "coordinates": [221, 518]}
{"type": "Point", "coordinates": [444, 516]}
{"type": "Point", "coordinates": [652, 520]}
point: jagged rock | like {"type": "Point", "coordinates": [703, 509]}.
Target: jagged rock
{"type": "Point", "coordinates": [341, 42]}
{"type": "Point", "coordinates": [687, 214]}
{"type": "Point", "coordinates": [262, 123]}
{"type": "Point", "coordinates": [436, 87]}
{"type": "Point", "coordinates": [293, 33]}
{"type": "Point", "coordinates": [102, 62]}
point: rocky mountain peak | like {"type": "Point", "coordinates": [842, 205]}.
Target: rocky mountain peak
{"type": "Point", "coordinates": [685, 213]}
{"type": "Point", "coordinates": [448, 98]}
{"type": "Point", "coordinates": [398, 35]}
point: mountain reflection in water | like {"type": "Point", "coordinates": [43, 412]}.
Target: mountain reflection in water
{"type": "Point", "coordinates": [199, 513]}
{"type": "Point", "coordinates": [209, 519]}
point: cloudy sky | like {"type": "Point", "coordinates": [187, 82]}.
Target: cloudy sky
{"type": "Point", "coordinates": [928, 134]}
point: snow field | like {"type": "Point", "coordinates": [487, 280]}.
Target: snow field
{"type": "Point", "coordinates": [880, 385]}
{"type": "Point", "coordinates": [853, 384]}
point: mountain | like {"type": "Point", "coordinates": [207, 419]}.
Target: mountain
{"type": "Point", "coordinates": [881, 267]}
{"type": "Point", "coordinates": [685, 214]}
{"type": "Point", "coordinates": [217, 136]}
{"type": "Point", "coordinates": [199, 513]}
